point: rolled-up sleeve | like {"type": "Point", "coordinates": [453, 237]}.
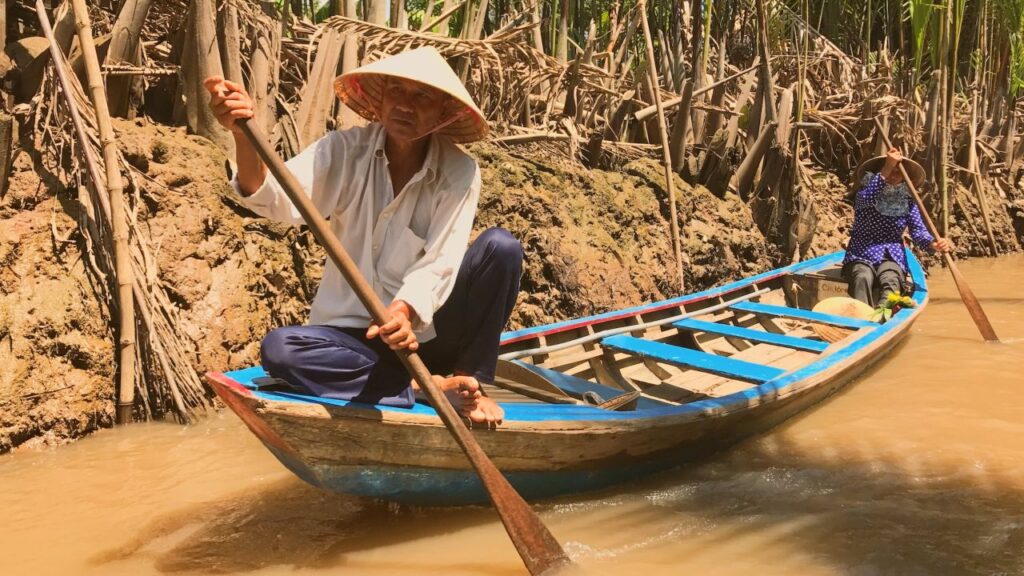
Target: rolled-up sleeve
{"type": "Point", "coordinates": [314, 170]}
{"type": "Point", "coordinates": [429, 282]}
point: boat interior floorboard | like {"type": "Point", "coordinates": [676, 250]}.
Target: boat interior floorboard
{"type": "Point", "coordinates": [690, 385]}
{"type": "Point", "coordinates": [789, 343]}
{"type": "Point", "coordinates": [501, 395]}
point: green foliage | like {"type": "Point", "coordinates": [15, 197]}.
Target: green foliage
{"type": "Point", "coordinates": [918, 13]}
{"type": "Point", "coordinates": [1016, 64]}
{"type": "Point", "coordinates": [1010, 18]}
{"type": "Point", "coordinates": [416, 9]}
{"type": "Point", "coordinates": [892, 304]}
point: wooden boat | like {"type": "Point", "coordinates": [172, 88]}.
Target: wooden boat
{"type": "Point", "coordinates": [593, 401]}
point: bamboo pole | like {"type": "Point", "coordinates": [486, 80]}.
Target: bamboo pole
{"type": "Point", "coordinates": [699, 66]}
{"type": "Point", "coordinates": [944, 113]}
{"type": "Point", "coordinates": [976, 183]}
{"type": "Point", "coordinates": [118, 216]}
{"type": "Point", "coordinates": [665, 153]}
{"type": "Point", "coordinates": [966, 294]}
{"type": "Point", "coordinates": [115, 187]}
{"type": "Point", "coordinates": [150, 324]}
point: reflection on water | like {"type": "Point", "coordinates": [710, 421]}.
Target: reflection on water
{"type": "Point", "coordinates": [917, 469]}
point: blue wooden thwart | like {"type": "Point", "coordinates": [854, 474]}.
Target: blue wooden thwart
{"type": "Point", "coordinates": [687, 357]}
{"type": "Point", "coordinates": [752, 335]}
{"type": "Point", "coordinates": [771, 310]}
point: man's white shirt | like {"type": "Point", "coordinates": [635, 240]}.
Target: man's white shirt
{"type": "Point", "coordinates": [407, 245]}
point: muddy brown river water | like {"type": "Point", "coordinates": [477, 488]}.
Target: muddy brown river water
{"type": "Point", "coordinates": [917, 468]}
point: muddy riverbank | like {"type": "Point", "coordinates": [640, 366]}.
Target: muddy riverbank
{"type": "Point", "coordinates": [594, 240]}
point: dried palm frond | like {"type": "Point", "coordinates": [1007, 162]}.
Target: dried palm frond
{"type": "Point", "coordinates": [164, 374]}
{"type": "Point", "coordinates": [500, 72]}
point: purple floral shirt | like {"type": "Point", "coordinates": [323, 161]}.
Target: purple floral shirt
{"type": "Point", "coordinates": [881, 214]}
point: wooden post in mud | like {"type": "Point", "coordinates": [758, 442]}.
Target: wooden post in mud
{"type": "Point", "coordinates": [666, 155]}
{"type": "Point", "coordinates": [966, 294]}
{"type": "Point", "coordinates": [6, 150]}
{"type": "Point", "coordinates": [118, 216]}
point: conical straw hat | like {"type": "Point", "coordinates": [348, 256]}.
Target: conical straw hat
{"type": "Point", "coordinates": [839, 306]}
{"type": "Point", "coordinates": [914, 170]}
{"type": "Point", "coordinates": [362, 90]}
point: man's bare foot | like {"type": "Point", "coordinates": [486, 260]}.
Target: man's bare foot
{"type": "Point", "coordinates": [462, 391]}
{"type": "Point", "coordinates": [487, 411]}
{"type": "Point", "coordinates": [464, 394]}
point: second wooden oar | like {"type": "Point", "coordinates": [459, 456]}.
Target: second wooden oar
{"type": "Point", "coordinates": [966, 294]}
{"type": "Point", "coordinates": [539, 550]}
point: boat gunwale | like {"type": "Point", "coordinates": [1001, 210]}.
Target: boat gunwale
{"type": "Point", "coordinates": [811, 265]}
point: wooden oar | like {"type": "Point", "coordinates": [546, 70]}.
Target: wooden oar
{"type": "Point", "coordinates": [966, 294]}
{"type": "Point", "coordinates": [539, 550]}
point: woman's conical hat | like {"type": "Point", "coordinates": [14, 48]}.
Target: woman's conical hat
{"type": "Point", "coordinates": [874, 165]}
{"type": "Point", "coordinates": [362, 90]}
{"type": "Point", "coordinates": [839, 306]}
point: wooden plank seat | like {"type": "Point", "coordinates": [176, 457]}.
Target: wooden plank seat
{"type": "Point", "coordinates": [687, 357]}
{"type": "Point", "coordinates": [800, 314]}
{"type": "Point", "coordinates": [807, 344]}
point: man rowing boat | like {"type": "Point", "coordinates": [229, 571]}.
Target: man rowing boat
{"type": "Point", "coordinates": [401, 198]}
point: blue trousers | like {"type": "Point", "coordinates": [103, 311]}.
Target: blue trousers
{"type": "Point", "coordinates": [341, 363]}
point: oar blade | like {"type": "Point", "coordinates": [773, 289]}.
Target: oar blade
{"type": "Point", "coordinates": [540, 551]}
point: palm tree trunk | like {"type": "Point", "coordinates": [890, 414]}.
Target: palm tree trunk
{"type": "Point", "coordinates": [263, 84]}
{"type": "Point", "coordinates": [200, 61]}
{"type": "Point", "coordinates": [442, 28]}
{"type": "Point", "coordinates": [538, 37]}
{"type": "Point", "coordinates": [229, 41]}
{"type": "Point", "coordinates": [378, 12]}
{"type": "Point", "coordinates": [124, 49]}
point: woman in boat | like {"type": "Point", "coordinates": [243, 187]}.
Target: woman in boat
{"type": "Point", "coordinates": [883, 210]}
{"type": "Point", "coordinates": [401, 198]}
